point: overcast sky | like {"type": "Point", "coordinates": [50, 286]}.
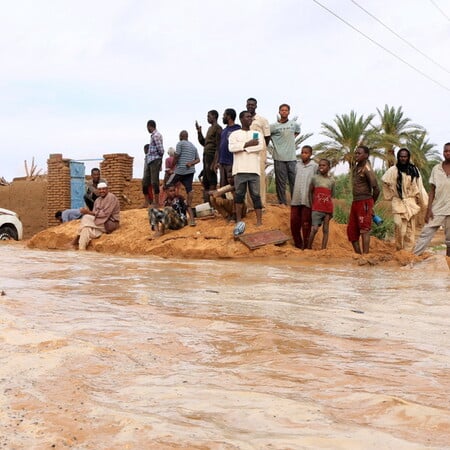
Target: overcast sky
{"type": "Point", "coordinates": [82, 78]}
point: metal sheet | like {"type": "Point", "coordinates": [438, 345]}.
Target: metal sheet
{"type": "Point", "coordinates": [77, 184]}
{"type": "Point", "coordinates": [260, 238]}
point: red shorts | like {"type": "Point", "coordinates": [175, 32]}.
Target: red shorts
{"type": "Point", "coordinates": [360, 219]}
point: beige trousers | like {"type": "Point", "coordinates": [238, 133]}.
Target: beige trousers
{"type": "Point", "coordinates": [88, 230]}
{"type": "Point", "coordinates": [404, 231]}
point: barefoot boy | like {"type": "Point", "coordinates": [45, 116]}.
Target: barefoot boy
{"type": "Point", "coordinates": [301, 201]}
{"type": "Point", "coordinates": [322, 192]}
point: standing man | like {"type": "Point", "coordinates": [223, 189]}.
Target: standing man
{"type": "Point", "coordinates": [186, 157]}
{"type": "Point", "coordinates": [365, 194]}
{"type": "Point", "coordinates": [438, 211]}
{"type": "Point", "coordinates": [261, 125]}
{"type": "Point", "coordinates": [104, 218]}
{"type": "Point", "coordinates": [146, 186]}
{"type": "Point", "coordinates": [225, 157]}
{"type": "Point", "coordinates": [92, 188]}
{"type": "Point", "coordinates": [402, 184]}
{"type": "Point", "coordinates": [283, 134]}
{"type": "Point", "coordinates": [210, 145]}
{"type": "Point", "coordinates": [246, 145]}
{"type": "Point", "coordinates": [154, 159]}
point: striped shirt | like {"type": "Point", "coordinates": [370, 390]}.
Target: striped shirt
{"type": "Point", "coordinates": [305, 172]}
{"type": "Point", "coordinates": [186, 152]}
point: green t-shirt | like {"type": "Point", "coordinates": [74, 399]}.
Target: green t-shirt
{"type": "Point", "coordinates": [283, 138]}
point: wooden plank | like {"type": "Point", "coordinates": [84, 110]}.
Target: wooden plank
{"type": "Point", "coordinates": [261, 238]}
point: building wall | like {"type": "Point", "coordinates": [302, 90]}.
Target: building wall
{"type": "Point", "coordinates": [29, 200]}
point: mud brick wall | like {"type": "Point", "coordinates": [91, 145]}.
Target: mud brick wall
{"type": "Point", "coordinates": [58, 186]}
{"type": "Point", "coordinates": [117, 169]}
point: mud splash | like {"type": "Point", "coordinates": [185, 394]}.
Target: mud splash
{"type": "Point", "coordinates": [102, 352]}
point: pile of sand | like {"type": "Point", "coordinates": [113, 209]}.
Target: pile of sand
{"type": "Point", "coordinates": [212, 238]}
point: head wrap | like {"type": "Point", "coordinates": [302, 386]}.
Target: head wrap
{"type": "Point", "coordinates": [407, 169]}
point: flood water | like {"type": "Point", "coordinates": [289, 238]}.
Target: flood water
{"type": "Point", "coordinates": [102, 352]}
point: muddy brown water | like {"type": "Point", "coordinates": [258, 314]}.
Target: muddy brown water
{"type": "Point", "coordinates": [101, 352]}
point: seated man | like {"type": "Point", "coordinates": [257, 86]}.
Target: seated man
{"type": "Point", "coordinates": [222, 200]}
{"type": "Point", "coordinates": [174, 214]}
{"type": "Point", "coordinates": [92, 188]}
{"type": "Point", "coordinates": [68, 214]}
{"type": "Point", "coordinates": [104, 218]}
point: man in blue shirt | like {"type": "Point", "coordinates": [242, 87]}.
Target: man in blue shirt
{"type": "Point", "coordinates": [225, 157]}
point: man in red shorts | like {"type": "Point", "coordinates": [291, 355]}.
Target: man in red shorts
{"type": "Point", "coordinates": [365, 194]}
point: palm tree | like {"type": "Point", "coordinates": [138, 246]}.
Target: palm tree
{"type": "Point", "coordinates": [344, 137]}
{"type": "Point", "coordinates": [423, 154]}
{"type": "Point", "coordinates": [394, 131]}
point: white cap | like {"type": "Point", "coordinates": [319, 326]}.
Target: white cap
{"type": "Point", "coordinates": [102, 185]}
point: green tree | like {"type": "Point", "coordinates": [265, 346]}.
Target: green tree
{"type": "Point", "coordinates": [344, 136]}
{"type": "Point", "coordinates": [394, 131]}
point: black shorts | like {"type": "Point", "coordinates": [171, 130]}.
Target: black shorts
{"type": "Point", "coordinates": [185, 180]}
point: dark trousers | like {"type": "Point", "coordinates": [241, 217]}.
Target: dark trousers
{"type": "Point", "coordinates": [209, 175]}
{"type": "Point", "coordinates": [300, 225]}
{"type": "Point", "coordinates": [284, 173]}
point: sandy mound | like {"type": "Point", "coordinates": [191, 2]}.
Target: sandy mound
{"type": "Point", "coordinates": [212, 238]}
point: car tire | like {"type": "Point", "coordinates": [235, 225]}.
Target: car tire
{"type": "Point", "coordinates": [8, 232]}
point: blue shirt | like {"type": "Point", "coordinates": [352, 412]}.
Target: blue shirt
{"type": "Point", "coordinates": [70, 214]}
{"type": "Point", "coordinates": [225, 156]}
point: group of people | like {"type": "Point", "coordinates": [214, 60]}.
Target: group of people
{"type": "Point", "coordinates": [234, 160]}
{"type": "Point", "coordinates": [232, 156]}
{"type": "Point", "coordinates": [235, 157]}
{"type": "Point", "coordinates": [402, 184]}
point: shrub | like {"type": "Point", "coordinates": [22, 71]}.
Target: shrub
{"type": "Point", "coordinates": [340, 214]}
{"type": "Point", "coordinates": [386, 229]}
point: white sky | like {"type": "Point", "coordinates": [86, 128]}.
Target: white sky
{"type": "Point", "coordinates": [82, 78]}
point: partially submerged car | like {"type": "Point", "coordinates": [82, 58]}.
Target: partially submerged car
{"type": "Point", "coordinates": [10, 225]}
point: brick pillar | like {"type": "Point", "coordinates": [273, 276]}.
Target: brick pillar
{"type": "Point", "coordinates": [58, 186]}
{"type": "Point", "coordinates": [117, 169]}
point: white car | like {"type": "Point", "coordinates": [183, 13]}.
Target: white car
{"type": "Point", "coordinates": [10, 225]}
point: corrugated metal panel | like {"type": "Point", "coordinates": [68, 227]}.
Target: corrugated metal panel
{"type": "Point", "coordinates": [77, 184]}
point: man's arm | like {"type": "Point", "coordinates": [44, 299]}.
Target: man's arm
{"type": "Point", "coordinates": [373, 183]}
{"type": "Point", "coordinates": [195, 161]}
{"type": "Point", "coordinates": [253, 145]}
{"type": "Point", "coordinates": [217, 136]}
{"type": "Point", "coordinates": [311, 192]}
{"type": "Point", "coordinates": [235, 142]}
{"type": "Point", "coordinates": [266, 131]}
{"type": "Point", "coordinates": [200, 137]}
{"type": "Point", "coordinates": [297, 129]}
